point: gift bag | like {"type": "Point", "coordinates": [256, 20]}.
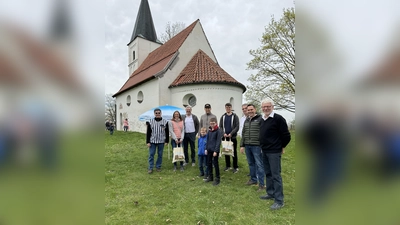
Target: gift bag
{"type": "Point", "coordinates": [227, 148]}
{"type": "Point", "coordinates": [178, 154]}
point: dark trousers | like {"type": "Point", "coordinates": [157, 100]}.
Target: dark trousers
{"type": "Point", "coordinates": [235, 158]}
{"type": "Point", "coordinates": [190, 138]}
{"type": "Point", "coordinates": [211, 160]}
{"type": "Point", "coordinates": [272, 168]}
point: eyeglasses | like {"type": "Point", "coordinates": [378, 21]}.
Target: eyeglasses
{"type": "Point", "coordinates": [269, 106]}
{"type": "Point", "coordinates": [157, 113]}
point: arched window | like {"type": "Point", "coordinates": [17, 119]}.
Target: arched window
{"type": "Point", "coordinates": [128, 100]}
{"type": "Point", "coordinates": [140, 97]}
{"type": "Point", "coordinates": [232, 103]}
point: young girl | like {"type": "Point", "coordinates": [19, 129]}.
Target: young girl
{"type": "Point", "coordinates": [126, 125]}
{"type": "Point", "coordinates": [201, 152]}
{"type": "Point", "coordinates": [177, 131]}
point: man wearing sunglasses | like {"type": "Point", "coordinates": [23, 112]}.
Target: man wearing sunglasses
{"type": "Point", "coordinates": [156, 137]}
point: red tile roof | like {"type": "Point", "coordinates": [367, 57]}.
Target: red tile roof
{"type": "Point", "coordinates": [10, 73]}
{"type": "Point", "coordinates": [156, 60]}
{"type": "Point", "coordinates": [389, 71]}
{"type": "Point", "coordinates": [202, 69]}
{"type": "Point", "coordinates": [35, 51]}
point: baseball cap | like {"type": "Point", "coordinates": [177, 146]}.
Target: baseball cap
{"type": "Point", "coordinates": [207, 106]}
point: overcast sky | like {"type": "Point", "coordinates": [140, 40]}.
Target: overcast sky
{"type": "Point", "coordinates": [232, 27]}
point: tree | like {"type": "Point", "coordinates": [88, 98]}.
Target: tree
{"type": "Point", "coordinates": [171, 30]}
{"type": "Point", "coordinates": [275, 62]}
{"type": "Point", "coordinates": [110, 108]}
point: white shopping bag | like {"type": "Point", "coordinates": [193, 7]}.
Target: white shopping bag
{"type": "Point", "coordinates": [227, 148]}
{"type": "Point", "coordinates": [178, 154]}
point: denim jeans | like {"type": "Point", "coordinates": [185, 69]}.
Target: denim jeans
{"type": "Point", "coordinates": [190, 138]}
{"type": "Point", "coordinates": [254, 158]}
{"type": "Point", "coordinates": [203, 164]}
{"type": "Point", "coordinates": [173, 144]}
{"type": "Point", "coordinates": [152, 152]}
{"type": "Point", "coordinates": [272, 167]}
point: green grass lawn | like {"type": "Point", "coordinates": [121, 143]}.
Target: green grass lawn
{"type": "Point", "coordinates": [134, 197]}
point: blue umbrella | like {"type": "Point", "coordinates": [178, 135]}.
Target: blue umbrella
{"type": "Point", "coordinates": [166, 110]}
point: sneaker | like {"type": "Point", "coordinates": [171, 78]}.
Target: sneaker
{"type": "Point", "coordinates": [248, 175]}
{"type": "Point", "coordinates": [201, 174]}
{"type": "Point", "coordinates": [216, 182]}
{"type": "Point", "coordinates": [250, 182]}
{"type": "Point", "coordinates": [149, 171]}
{"type": "Point", "coordinates": [227, 168]}
{"type": "Point", "coordinates": [261, 188]}
{"type": "Point", "coordinates": [236, 170]}
{"type": "Point", "coordinates": [205, 178]}
{"type": "Point", "coordinates": [266, 197]}
{"type": "Point", "coordinates": [276, 206]}
{"type": "Point", "coordinates": [174, 168]}
{"type": "Point", "coordinates": [193, 164]}
{"type": "Point", "coordinates": [158, 170]}
{"type": "Point", "coordinates": [182, 169]}
{"type": "Point", "coordinates": [185, 163]}
{"type": "Point", "coordinates": [209, 179]}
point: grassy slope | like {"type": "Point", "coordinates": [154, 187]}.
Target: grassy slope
{"type": "Point", "coordinates": [134, 197]}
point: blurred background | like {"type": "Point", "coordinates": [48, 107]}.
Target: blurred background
{"type": "Point", "coordinates": [348, 112]}
{"type": "Point", "coordinates": [51, 104]}
{"type": "Point", "coordinates": [52, 100]}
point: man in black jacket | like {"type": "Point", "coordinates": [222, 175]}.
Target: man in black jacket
{"type": "Point", "coordinates": [274, 137]}
{"type": "Point", "coordinates": [229, 124]}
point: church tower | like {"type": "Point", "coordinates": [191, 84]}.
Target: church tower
{"type": "Point", "coordinates": [144, 38]}
{"type": "Point", "coordinates": [60, 35]}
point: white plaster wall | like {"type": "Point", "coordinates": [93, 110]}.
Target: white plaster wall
{"type": "Point", "coordinates": [215, 94]}
{"type": "Point", "coordinates": [150, 100]}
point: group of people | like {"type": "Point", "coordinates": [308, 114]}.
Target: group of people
{"type": "Point", "coordinates": [263, 139]}
{"type": "Point", "coordinates": [111, 127]}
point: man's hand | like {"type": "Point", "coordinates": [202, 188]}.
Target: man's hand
{"type": "Point", "coordinates": [148, 145]}
{"type": "Point", "coordinates": [283, 150]}
{"type": "Point", "coordinates": [242, 150]}
{"type": "Point", "coordinates": [215, 154]}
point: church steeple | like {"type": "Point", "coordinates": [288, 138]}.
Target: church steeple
{"type": "Point", "coordinates": [144, 38]}
{"type": "Point", "coordinates": [144, 26]}
{"type": "Point", "coordinates": [60, 28]}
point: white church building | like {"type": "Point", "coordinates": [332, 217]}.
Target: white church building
{"type": "Point", "coordinates": [183, 71]}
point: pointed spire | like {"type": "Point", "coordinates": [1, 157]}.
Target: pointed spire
{"type": "Point", "coordinates": [144, 26]}
{"type": "Point", "coordinates": [60, 27]}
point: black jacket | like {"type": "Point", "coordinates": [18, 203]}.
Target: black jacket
{"type": "Point", "coordinates": [274, 134]}
{"type": "Point", "coordinates": [214, 140]}
{"type": "Point", "coordinates": [235, 124]}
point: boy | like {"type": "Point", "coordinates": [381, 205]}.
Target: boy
{"type": "Point", "coordinates": [202, 142]}
{"type": "Point", "coordinates": [214, 137]}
